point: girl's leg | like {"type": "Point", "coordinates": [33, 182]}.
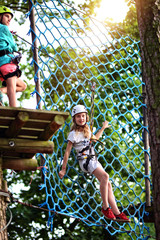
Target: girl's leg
{"type": "Point", "coordinates": [20, 85]}
{"type": "Point", "coordinates": [111, 200]}
{"type": "Point", "coordinates": [14, 85]}
{"type": "Point", "coordinates": [106, 190]}
{"type": "Point", "coordinates": [103, 178]}
{"type": "Point", "coordinates": [11, 91]}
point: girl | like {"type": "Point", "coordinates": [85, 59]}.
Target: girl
{"type": "Point", "coordinates": [79, 138]}
{"type": "Point", "coordinates": [9, 71]}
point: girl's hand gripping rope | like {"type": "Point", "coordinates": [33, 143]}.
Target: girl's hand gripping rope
{"type": "Point", "coordinates": [62, 173]}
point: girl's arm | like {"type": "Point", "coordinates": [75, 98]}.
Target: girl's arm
{"type": "Point", "coordinates": [100, 132]}
{"type": "Point", "coordinates": [65, 159]}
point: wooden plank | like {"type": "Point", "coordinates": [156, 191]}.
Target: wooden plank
{"type": "Point", "coordinates": [30, 132]}
{"type": "Point", "coordinates": [52, 127]}
{"type": "Point", "coordinates": [31, 123]}
{"type": "Point", "coordinates": [8, 154]}
{"type": "Point", "coordinates": [5, 121]}
{"type": "Point", "coordinates": [23, 135]}
{"type": "Point", "coordinates": [2, 131]}
{"type": "Point", "coordinates": [17, 124]}
{"type": "Point", "coordinates": [26, 146]}
{"type": "Point", "coordinates": [36, 123]}
{"type": "Point", "coordinates": [39, 122]}
{"type": "Point", "coordinates": [27, 137]}
{"type": "Point", "coordinates": [19, 164]}
{"type": "Point", "coordinates": [33, 114]}
{"type": "Point", "coordinates": [17, 155]}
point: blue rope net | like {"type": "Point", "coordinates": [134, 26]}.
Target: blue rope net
{"type": "Point", "coordinates": [76, 51]}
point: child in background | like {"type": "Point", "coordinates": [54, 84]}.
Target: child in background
{"type": "Point", "coordinates": [9, 70]}
{"type": "Point", "coordinates": [79, 138]}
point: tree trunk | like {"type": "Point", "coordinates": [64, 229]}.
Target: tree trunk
{"type": "Point", "coordinates": [3, 230]}
{"type": "Point", "coordinates": [147, 14]}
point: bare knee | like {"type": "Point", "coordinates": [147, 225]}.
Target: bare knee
{"type": "Point", "coordinates": [20, 85]}
{"type": "Point", "coordinates": [101, 175]}
{"type": "Point", "coordinates": [24, 86]}
{"type": "Point", "coordinates": [105, 177]}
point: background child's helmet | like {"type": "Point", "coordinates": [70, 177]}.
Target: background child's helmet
{"type": "Point", "coordinates": [78, 109]}
{"type": "Point", "coordinates": [4, 9]}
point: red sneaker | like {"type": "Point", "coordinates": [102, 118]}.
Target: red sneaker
{"type": "Point", "coordinates": [122, 218]}
{"type": "Point", "coordinates": [108, 214]}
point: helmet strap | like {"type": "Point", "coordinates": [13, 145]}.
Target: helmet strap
{"type": "Point", "coordinates": [1, 18]}
{"type": "Point", "coordinates": [80, 126]}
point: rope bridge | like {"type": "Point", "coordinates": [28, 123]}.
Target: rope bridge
{"type": "Point", "coordinates": [74, 53]}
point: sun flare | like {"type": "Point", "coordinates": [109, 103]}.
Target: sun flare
{"type": "Point", "coordinates": [115, 10]}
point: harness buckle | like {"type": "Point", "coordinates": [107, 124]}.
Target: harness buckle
{"type": "Point", "coordinates": [16, 60]}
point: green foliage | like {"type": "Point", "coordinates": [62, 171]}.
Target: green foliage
{"type": "Point", "coordinates": [66, 80]}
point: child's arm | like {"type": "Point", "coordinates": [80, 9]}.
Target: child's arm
{"type": "Point", "coordinates": [100, 132]}
{"type": "Point", "coordinates": [65, 159]}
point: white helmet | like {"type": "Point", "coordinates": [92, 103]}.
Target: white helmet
{"type": "Point", "coordinates": [78, 109]}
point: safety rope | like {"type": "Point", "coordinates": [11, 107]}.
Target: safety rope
{"type": "Point", "coordinates": [92, 107]}
{"type": "Point", "coordinates": [93, 139]}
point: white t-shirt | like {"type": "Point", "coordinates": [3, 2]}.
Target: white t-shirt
{"type": "Point", "coordinates": [79, 143]}
{"type": "Point", "coordinates": [78, 140]}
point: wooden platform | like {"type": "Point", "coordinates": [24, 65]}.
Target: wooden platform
{"type": "Point", "coordinates": [24, 132]}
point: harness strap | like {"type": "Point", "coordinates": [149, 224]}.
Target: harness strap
{"type": "Point", "coordinates": [14, 60]}
{"type": "Point", "coordinates": [84, 149]}
{"type": "Point", "coordinates": [88, 156]}
{"type": "Point", "coordinates": [4, 52]}
{"type": "Point", "coordinates": [17, 58]}
{"type": "Point", "coordinates": [85, 165]}
{"type": "Point", "coordinates": [17, 73]}
{"type": "Point", "coordinates": [92, 107]}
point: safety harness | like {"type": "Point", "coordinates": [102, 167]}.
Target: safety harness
{"type": "Point", "coordinates": [3, 52]}
{"type": "Point", "coordinates": [16, 59]}
{"type": "Point", "coordinates": [91, 152]}
{"type": "Point", "coordinates": [88, 156]}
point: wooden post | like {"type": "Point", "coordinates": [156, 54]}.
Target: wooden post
{"type": "Point", "coordinates": [17, 124]}
{"type": "Point", "coordinates": [35, 53]}
{"type": "Point", "coordinates": [52, 127]}
{"type": "Point", "coordinates": [26, 146]}
{"type": "Point", "coordinates": [20, 164]}
{"type": "Point", "coordinates": [35, 57]}
{"type": "Point", "coordinates": [146, 148]}
{"type": "Point", "coordinates": [3, 205]}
